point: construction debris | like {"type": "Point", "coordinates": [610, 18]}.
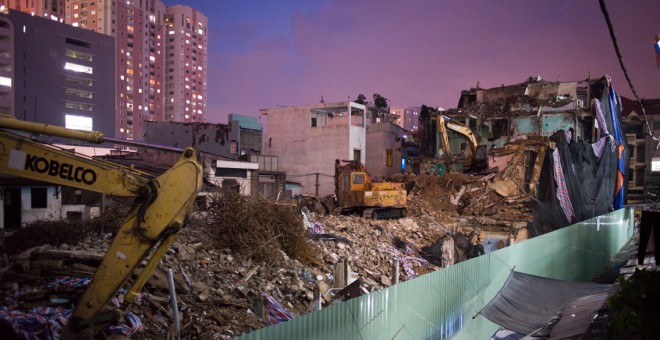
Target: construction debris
{"type": "Point", "coordinates": [243, 264]}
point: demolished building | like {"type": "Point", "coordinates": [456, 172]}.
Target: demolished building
{"type": "Point", "coordinates": [567, 136]}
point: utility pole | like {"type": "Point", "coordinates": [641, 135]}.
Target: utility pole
{"type": "Point", "coordinates": [317, 185]}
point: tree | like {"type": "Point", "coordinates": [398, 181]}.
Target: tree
{"type": "Point", "coordinates": [380, 101]}
{"type": "Point", "coordinates": [361, 99]}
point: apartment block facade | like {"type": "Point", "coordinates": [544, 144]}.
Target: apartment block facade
{"type": "Point", "coordinates": [56, 74]}
{"type": "Point", "coordinates": [186, 64]}
{"type": "Point", "coordinates": [51, 9]}
{"type": "Point", "coordinates": [408, 117]}
{"type": "Point", "coordinates": [160, 56]}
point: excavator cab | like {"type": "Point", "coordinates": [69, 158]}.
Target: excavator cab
{"type": "Point", "coordinates": [357, 194]}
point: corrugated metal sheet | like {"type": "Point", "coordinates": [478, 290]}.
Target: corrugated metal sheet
{"type": "Point", "coordinates": [577, 316]}
{"type": "Point", "coordinates": [441, 304]}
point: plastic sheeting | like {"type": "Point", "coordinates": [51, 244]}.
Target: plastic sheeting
{"type": "Point", "coordinates": [591, 173]}
{"type": "Point", "coordinates": [528, 303]}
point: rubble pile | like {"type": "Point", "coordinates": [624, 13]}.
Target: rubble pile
{"type": "Point", "coordinates": [239, 256]}
{"type": "Point", "coordinates": [258, 229]}
{"type": "Point", "coordinates": [56, 232]}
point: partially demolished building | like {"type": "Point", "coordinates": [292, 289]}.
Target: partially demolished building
{"type": "Point", "coordinates": [560, 142]}
{"type": "Point", "coordinates": [533, 107]}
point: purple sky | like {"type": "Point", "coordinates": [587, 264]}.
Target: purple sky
{"type": "Point", "coordinates": [263, 54]}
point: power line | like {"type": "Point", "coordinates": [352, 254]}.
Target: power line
{"type": "Point", "coordinates": [603, 8]}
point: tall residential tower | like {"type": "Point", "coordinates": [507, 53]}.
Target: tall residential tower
{"type": "Point", "coordinates": [160, 56]}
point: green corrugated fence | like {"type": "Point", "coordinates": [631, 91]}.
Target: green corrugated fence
{"type": "Point", "coordinates": [441, 304]}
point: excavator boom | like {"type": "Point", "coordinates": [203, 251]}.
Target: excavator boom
{"type": "Point", "coordinates": [444, 123]}
{"type": "Point", "coordinates": [158, 212]}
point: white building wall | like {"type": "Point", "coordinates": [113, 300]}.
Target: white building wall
{"type": "Point", "coordinates": [244, 183]}
{"type": "Point", "coordinates": [52, 211]}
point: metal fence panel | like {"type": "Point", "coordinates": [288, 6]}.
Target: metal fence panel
{"type": "Point", "coordinates": [443, 304]}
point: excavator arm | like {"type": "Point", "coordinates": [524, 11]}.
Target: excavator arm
{"type": "Point", "coordinates": [158, 213]}
{"type": "Point", "coordinates": [443, 123]}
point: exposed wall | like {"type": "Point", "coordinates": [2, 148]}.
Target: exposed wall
{"type": "Point", "coordinates": [29, 214]}
{"type": "Point", "coordinates": [222, 173]}
{"type": "Point", "coordinates": [382, 137]}
{"type": "Point", "coordinates": [210, 138]}
{"type": "Point", "coordinates": [304, 150]}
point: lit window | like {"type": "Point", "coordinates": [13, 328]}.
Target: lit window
{"type": "Point", "coordinates": [78, 93]}
{"type": "Point", "coordinates": [78, 55]}
{"type": "Point", "coordinates": [78, 68]}
{"type": "Point", "coordinates": [5, 81]}
{"type": "Point", "coordinates": [78, 122]}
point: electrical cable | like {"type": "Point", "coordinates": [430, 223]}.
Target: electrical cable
{"type": "Point", "coordinates": [623, 67]}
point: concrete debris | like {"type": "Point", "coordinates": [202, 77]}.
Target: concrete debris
{"type": "Point", "coordinates": [221, 267]}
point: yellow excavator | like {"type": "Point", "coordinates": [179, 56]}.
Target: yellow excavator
{"type": "Point", "coordinates": [476, 158]}
{"type": "Point", "coordinates": [357, 194]}
{"type": "Point", "coordinates": [158, 213]}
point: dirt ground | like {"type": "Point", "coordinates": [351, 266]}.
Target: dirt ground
{"type": "Point", "coordinates": [232, 258]}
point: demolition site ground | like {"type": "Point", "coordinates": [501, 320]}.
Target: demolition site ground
{"type": "Point", "coordinates": [238, 250]}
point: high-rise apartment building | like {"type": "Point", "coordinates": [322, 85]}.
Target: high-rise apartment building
{"type": "Point", "coordinates": [51, 9]}
{"type": "Point", "coordinates": [186, 64]}
{"type": "Point", "coordinates": [411, 118]}
{"type": "Point", "coordinates": [160, 56]}
{"type": "Point", "coordinates": [408, 118]}
{"type": "Point", "coordinates": [56, 74]}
